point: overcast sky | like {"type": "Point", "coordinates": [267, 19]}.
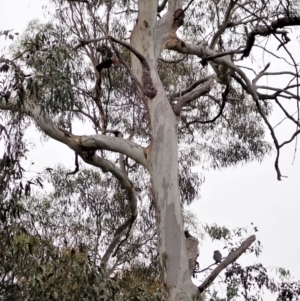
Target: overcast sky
{"type": "Point", "coordinates": [233, 197]}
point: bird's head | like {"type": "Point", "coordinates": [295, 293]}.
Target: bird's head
{"type": "Point", "coordinates": [187, 234]}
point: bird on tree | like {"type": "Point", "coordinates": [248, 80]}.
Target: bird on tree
{"type": "Point", "coordinates": [107, 58]}
{"type": "Point", "coordinates": [192, 251]}
{"type": "Point", "coordinates": [217, 256]}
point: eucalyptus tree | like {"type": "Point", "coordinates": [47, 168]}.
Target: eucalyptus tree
{"type": "Point", "coordinates": [176, 95]}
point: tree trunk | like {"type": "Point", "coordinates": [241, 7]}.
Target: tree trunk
{"type": "Point", "coordinates": [162, 161]}
{"type": "Point", "coordinates": [163, 167]}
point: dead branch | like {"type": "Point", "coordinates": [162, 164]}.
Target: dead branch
{"type": "Point", "coordinates": [270, 29]}
{"type": "Point", "coordinates": [233, 256]}
{"type": "Point", "coordinates": [76, 166]}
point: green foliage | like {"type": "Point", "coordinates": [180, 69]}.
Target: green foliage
{"type": "Point", "coordinates": [35, 269]}
{"type": "Point", "coordinates": [252, 278]}
{"type": "Point", "coordinates": [249, 282]}
{"type": "Point", "coordinates": [51, 249]}
{"type": "Point", "coordinates": [47, 53]}
{"type": "Point", "coordinates": [217, 232]}
{"type": "Point", "coordinates": [142, 282]}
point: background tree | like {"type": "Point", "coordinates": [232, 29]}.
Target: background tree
{"type": "Point", "coordinates": [51, 249]}
{"type": "Point", "coordinates": [170, 102]}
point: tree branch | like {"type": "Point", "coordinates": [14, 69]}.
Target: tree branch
{"type": "Point", "coordinates": [162, 6]}
{"type": "Point", "coordinates": [223, 26]}
{"type": "Point", "coordinates": [78, 143]}
{"type": "Point", "coordinates": [233, 256]}
{"type": "Point", "coordinates": [204, 52]}
{"type": "Point", "coordinates": [125, 183]}
{"type": "Point", "coordinates": [76, 166]}
{"type": "Point", "coordinates": [224, 100]}
{"type": "Point", "coordinates": [268, 30]}
{"type": "Point", "coordinates": [194, 94]}
{"type": "Point", "coordinates": [147, 84]}
{"type": "Point", "coordinates": [174, 43]}
{"type": "Point", "coordinates": [191, 87]}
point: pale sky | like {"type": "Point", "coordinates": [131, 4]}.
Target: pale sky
{"type": "Point", "coordinates": [233, 197]}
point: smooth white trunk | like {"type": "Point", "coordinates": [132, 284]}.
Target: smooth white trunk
{"type": "Point", "coordinates": [163, 167]}
{"type": "Point", "coordinates": [162, 158]}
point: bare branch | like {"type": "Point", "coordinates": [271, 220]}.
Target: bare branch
{"type": "Point", "coordinates": [233, 256]}
{"type": "Point", "coordinates": [290, 140]}
{"type": "Point", "coordinates": [273, 54]}
{"type": "Point", "coordinates": [224, 100]}
{"type": "Point", "coordinates": [78, 143]}
{"type": "Point", "coordinates": [287, 114]}
{"type": "Point", "coordinates": [280, 73]}
{"type": "Point", "coordinates": [186, 8]}
{"type": "Point", "coordinates": [192, 86]}
{"type": "Point", "coordinates": [202, 51]}
{"type": "Point", "coordinates": [286, 21]}
{"type": "Point", "coordinates": [211, 57]}
{"type": "Point", "coordinates": [190, 96]}
{"type": "Point", "coordinates": [76, 166]}
{"type": "Point", "coordinates": [162, 6]}
{"type": "Point", "coordinates": [246, 84]}
{"type": "Point", "coordinates": [278, 91]}
{"type": "Point", "coordinates": [270, 29]}
{"type": "Point", "coordinates": [223, 25]}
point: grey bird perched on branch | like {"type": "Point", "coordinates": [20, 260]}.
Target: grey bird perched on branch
{"type": "Point", "coordinates": [217, 256]}
{"type": "Point", "coordinates": [192, 251]}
